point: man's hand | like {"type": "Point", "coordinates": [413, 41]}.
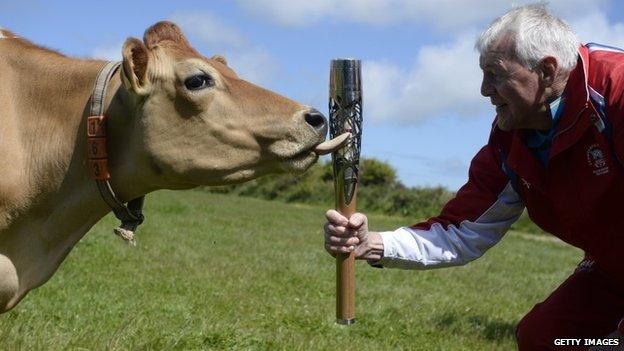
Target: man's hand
{"type": "Point", "coordinates": [344, 235]}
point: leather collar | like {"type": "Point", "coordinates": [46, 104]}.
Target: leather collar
{"type": "Point", "coordinates": [130, 215]}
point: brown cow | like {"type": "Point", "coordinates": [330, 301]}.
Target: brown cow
{"type": "Point", "coordinates": [181, 120]}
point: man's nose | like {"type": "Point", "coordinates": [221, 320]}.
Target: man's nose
{"type": "Point", "coordinates": [486, 88]}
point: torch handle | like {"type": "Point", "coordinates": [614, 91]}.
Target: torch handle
{"type": "Point", "coordinates": [345, 273]}
{"type": "Point", "coordinates": [345, 114]}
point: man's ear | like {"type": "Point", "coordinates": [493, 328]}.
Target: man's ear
{"type": "Point", "coordinates": [548, 69]}
{"type": "Point", "coordinates": [134, 72]}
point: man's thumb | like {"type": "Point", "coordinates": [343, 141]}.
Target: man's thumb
{"type": "Point", "coordinates": [357, 220]}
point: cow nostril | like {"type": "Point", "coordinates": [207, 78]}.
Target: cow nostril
{"type": "Point", "coordinates": [316, 120]}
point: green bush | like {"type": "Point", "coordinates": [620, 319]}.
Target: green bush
{"type": "Point", "coordinates": [375, 173]}
{"type": "Point", "coordinates": [380, 191]}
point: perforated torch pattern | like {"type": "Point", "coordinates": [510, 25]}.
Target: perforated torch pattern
{"type": "Point", "coordinates": [347, 117]}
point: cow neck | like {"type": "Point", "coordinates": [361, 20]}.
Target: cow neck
{"type": "Point", "coordinates": [130, 214]}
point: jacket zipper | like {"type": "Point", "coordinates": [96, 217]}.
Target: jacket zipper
{"type": "Point", "coordinates": [576, 119]}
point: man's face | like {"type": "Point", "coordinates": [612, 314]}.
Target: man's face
{"type": "Point", "coordinates": [514, 89]}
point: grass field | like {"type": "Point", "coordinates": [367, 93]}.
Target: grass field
{"type": "Point", "coordinates": [218, 272]}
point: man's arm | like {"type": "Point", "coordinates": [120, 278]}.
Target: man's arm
{"type": "Point", "coordinates": [471, 223]}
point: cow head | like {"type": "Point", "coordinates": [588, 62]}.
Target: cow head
{"type": "Point", "coordinates": [203, 125]}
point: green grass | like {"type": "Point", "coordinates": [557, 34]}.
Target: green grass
{"type": "Point", "coordinates": [217, 272]}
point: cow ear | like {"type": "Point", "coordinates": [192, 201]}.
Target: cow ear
{"type": "Point", "coordinates": [165, 31]}
{"type": "Point", "coordinates": [219, 58]}
{"type": "Point", "coordinates": [134, 72]}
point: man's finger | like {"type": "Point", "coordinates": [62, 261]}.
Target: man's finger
{"type": "Point", "coordinates": [329, 251]}
{"type": "Point", "coordinates": [335, 217]}
{"type": "Point", "coordinates": [333, 249]}
{"type": "Point", "coordinates": [337, 230]}
{"type": "Point", "coordinates": [342, 241]}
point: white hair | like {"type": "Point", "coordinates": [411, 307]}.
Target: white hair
{"type": "Point", "coordinates": [536, 34]}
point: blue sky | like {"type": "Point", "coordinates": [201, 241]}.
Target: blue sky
{"type": "Point", "coordinates": [422, 109]}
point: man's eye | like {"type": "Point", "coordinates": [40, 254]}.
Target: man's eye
{"type": "Point", "coordinates": [198, 82]}
{"type": "Point", "coordinates": [495, 76]}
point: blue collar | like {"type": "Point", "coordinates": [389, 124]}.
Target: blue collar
{"type": "Point", "coordinates": [537, 138]}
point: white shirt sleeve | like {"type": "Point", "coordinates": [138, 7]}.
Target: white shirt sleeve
{"type": "Point", "coordinates": [410, 248]}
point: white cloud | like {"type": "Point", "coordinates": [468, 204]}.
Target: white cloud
{"type": "Point", "coordinates": [442, 15]}
{"type": "Point", "coordinates": [209, 29]}
{"type": "Point", "coordinates": [305, 12]}
{"type": "Point", "coordinates": [595, 27]}
{"type": "Point", "coordinates": [444, 79]}
{"type": "Point", "coordinates": [205, 28]}
{"type": "Point", "coordinates": [256, 65]}
{"type": "Point", "coordinates": [289, 13]}
{"type": "Point", "coordinates": [208, 33]}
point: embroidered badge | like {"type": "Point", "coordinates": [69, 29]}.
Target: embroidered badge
{"type": "Point", "coordinates": [596, 159]}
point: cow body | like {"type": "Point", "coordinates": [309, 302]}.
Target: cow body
{"type": "Point", "coordinates": [160, 135]}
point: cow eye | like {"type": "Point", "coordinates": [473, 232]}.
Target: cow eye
{"type": "Point", "coordinates": [198, 82]}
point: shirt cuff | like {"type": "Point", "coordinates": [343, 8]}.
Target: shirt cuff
{"type": "Point", "coordinates": [400, 250]}
{"type": "Point", "coordinates": [389, 249]}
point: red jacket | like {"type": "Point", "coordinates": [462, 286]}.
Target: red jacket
{"type": "Point", "coordinates": [579, 196]}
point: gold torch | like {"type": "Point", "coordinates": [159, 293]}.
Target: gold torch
{"type": "Point", "coordinates": [345, 116]}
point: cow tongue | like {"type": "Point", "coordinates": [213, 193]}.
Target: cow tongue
{"type": "Point", "coordinates": [332, 145]}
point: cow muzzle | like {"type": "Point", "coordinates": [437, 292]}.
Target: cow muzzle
{"type": "Point", "coordinates": [317, 121]}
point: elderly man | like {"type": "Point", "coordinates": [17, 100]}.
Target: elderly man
{"type": "Point", "coordinates": [556, 148]}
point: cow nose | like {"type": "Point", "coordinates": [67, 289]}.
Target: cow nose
{"type": "Point", "coordinates": [316, 119]}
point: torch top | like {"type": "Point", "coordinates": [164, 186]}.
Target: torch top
{"type": "Point", "coordinates": [345, 63]}
{"type": "Point", "coordinates": [345, 75]}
